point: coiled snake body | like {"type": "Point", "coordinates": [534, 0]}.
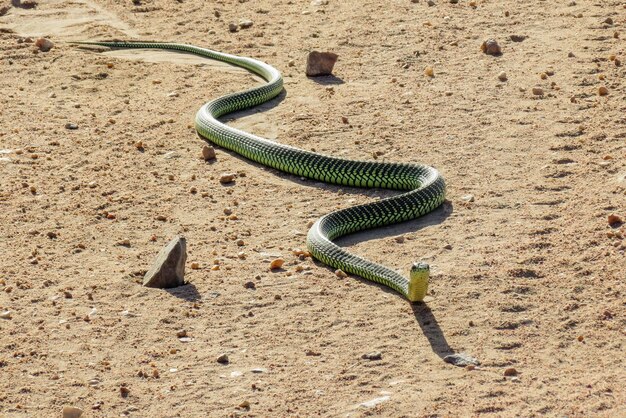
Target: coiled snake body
{"type": "Point", "coordinates": [425, 186]}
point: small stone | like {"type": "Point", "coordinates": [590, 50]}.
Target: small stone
{"type": "Point", "coordinates": [608, 21]}
{"type": "Point", "coordinates": [461, 359]}
{"type": "Point", "coordinates": [400, 239]}
{"type": "Point", "coordinates": [431, 3]}
{"type": "Point", "coordinates": [172, 94]}
{"type": "Point", "coordinates": [227, 178]}
{"type": "Point", "coordinates": [491, 47]}
{"type": "Point", "coordinates": [72, 412]}
{"type": "Point", "coordinates": [518, 38]}
{"type": "Point", "coordinates": [195, 266]}
{"type": "Point", "coordinates": [615, 220]}
{"type": "Point", "coordinates": [580, 339]}
{"type": "Point", "coordinates": [320, 63]}
{"type": "Point", "coordinates": [71, 126]}
{"type": "Point", "coordinates": [240, 243]}
{"type": "Point", "coordinates": [617, 62]}
{"type": "Point", "coordinates": [543, 76]}
{"type": "Point", "coordinates": [258, 370]}
{"type": "Point", "coordinates": [375, 355]}
{"type": "Point", "coordinates": [340, 273]}
{"type": "Point", "coordinates": [250, 285]}
{"type": "Point", "coordinates": [44, 44]}
{"type": "Point", "coordinates": [5, 315]}
{"type": "Point", "coordinates": [52, 235]}
{"type": "Point", "coordinates": [208, 153]}
{"type": "Point", "coordinates": [454, 1]}
{"type": "Point", "coordinates": [537, 91]}
{"type": "Point", "coordinates": [168, 269]}
{"type": "Point", "coordinates": [603, 91]}
{"type": "Point", "coordinates": [223, 359]}
{"type": "Point", "coordinates": [139, 145]}
{"type": "Point", "coordinates": [277, 263]}
{"type": "Point", "coordinates": [510, 372]}
{"type": "Point", "coordinates": [502, 76]}
{"type": "Point", "coordinates": [468, 198]}
{"type": "Point", "coordinates": [233, 27]}
{"type": "Point", "coordinates": [245, 23]}
{"type": "Point", "coordinates": [244, 405]}
{"type": "Point", "coordinates": [291, 63]}
{"type": "Point", "coordinates": [429, 72]}
{"type": "Point", "coordinates": [67, 295]}
{"type": "Point", "coordinates": [181, 333]}
{"type": "Point", "coordinates": [124, 391]}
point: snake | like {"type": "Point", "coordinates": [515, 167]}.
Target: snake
{"type": "Point", "coordinates": [423, 187]}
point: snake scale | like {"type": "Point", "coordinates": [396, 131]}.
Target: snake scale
{"type": "Point", "coordinates": [425, 187]}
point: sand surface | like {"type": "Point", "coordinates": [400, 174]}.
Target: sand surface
{"type": "Point", "coordinates": [529, 275]}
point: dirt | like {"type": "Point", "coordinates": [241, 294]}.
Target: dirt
{"type": "Point", "coordinates": [527, 273]}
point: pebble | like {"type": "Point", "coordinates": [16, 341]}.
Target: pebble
{"type": "Point", "coordinates": [195, 266]}
{"type": "Point", "coordinates": [245, 23]}
{"type": "Point", "coordinates": [320, 63]}
{"type": "Point", "coordinates": [240, 243]}
{"type": "Point", "coordinates": [208, 153]}
{"type": "Point", "coordinates": [319, 2]}
{"type": "Point", "coordinates": [72, 412]}
{"type": "Point", "coordinates": [124, 391]}
{"type": "Point", "coordinates": [400, 239]}
{"type": "Point", "coordinates": [292, 63]}
{"type": "Point", "coordinates": [431, 3]}
{"type": "Point", "coordinates": [181, 333]}
{"type": "Point", "coordinates": [375, 355]}
{"type": "Point", "coordinates": [71, 126]}
{"type": "Point", "coordinates": [277, 263]}
{"type": "Point", "coordinates": [603, 91]}
{"type": "Point", "coordinates": [226, 178]}
{"type": "Point", "coordinates": [461, 359]}
{"type": "Point", "coordinates": [223, 359]}
{"type": "Point", "coordinates": [44, 44]}
{"type": "Point", "coordinates": [172, 94]}
{"type": "Point", "coordinates": [615, 219]}
{"type": "Point", "coordinates": [340, 273]}
{"type": "Point", "coordinates": [259, 370]}
{"type": "Point", "coordinates": [510, 372]}
{"type": "Point", "coordinates": [468, 198]}
{"type": "Point", "coordinates": [244, 405]}
{"type": "Point", "coordinates": [233, 27]}
{"type": "Point", "coordinates": [5, 315]}
{"type": "Point", "coordinates": [518, 38]}
{"type": "Point", "coordinates": [537, 91]}
{"type": "Point", "coordinates": [250, 285]}
{"type": "Point", "coordinates": [502, 76]}
{"type": "Point", "coordinates": [491, 47]}
{"type": "Point", "coordinates": [168, 268]}
{"type": "Point", "coordinates": [429, 72]}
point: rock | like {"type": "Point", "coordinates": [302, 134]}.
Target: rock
{"type": "Point", "coordinates": [375, 355]}
{"type": "Point", "coordinates": [233, 27]}
{"type": "Point", "coordinates": [259, 370]}
{"type": "Point", "coordinates": [537, 91]}
{"type": "Point", "coordinates": [461, 359]}
{"type": "Point", "coordinates": [429, 72]}
{"type": "Point", "coordinates": [227, 178]}
{"type": "Point", "coordinates": [340, 273]}
{"type": "Point", "coordinates": [603, 91]}
{"type": "Point", "coordinates": [168, 269]}
{"type": "Point", "coordinates": [510, 372]}
{"type": "Point", "coordinates": [223, 359]}
{"type": "Point", "coordinates": [608, 21]}
{"type": "Point", "coordinates": [277, 263]}
{"type": "Point", "coordinates": [615, 220]}
{"type": "Point", "coordinates": [44, 44]}
{"type": "Point", "coordinates": [502, 76]}
{"type": "Point", "coordinates": [431, 3]}
{"type": "Point", "coordinates": [518, 38]}
{"type": "Point", "coordinates": [319, 2]}
{"type": "Point", "coordinates": [491, 47]}
{"type": "Point", "coordinates": [372, 403]}
{"type": "Point", "coordinates": [249, 285]}
{"type": "Point", "coordinates": [245, 23]}
{"type": "Point", "coordinates": [72, 412]}
{"type": "Point", "coordinates": [5, 315]}
{"type": "Point", "coordinates": [208, 152]}
{"type": "Point", "coordinates": [124, 391]}
{"type": "Point", "coordinates": [320, 63]}
{"type": "Point", "coordinates": [468, 198]}
{"type": "Point", "coordinates": [244, 405]}
{"type": "Point", "coordinates": [71, 126]}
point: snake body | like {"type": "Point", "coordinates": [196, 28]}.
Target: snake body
{"type": "Point", "coordinates": [424, 186]}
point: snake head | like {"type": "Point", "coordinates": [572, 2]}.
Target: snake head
{"type": "Point", "coordinates": [418, 282]}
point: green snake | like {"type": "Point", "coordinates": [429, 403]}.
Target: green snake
{"type": "Point", "coordinates": [424, 185]}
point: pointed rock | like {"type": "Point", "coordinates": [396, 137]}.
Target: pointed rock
{"type": "Point", "coordinates": [168, 269]}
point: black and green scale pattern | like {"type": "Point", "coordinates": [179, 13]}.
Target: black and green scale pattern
{"type": "Point", "coordinates": [426, 188]}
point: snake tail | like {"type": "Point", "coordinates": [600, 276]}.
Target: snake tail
{"type": "Point", "coordinates": [423, 187]}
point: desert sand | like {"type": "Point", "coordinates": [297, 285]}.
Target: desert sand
{"type": "Point", "coordinates": [528, 273]}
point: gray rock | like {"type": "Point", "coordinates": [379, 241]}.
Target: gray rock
{"type": "Point", "coordinates": [72, 412]}
{"type": "Point", "coordinates": [376, 355]}
{"type": "Point", "coordinates": [168, 269]}
{"type": "Point", "coordinates": [461, 360]}
{"type": "Point", "coordinates": [320, 63]}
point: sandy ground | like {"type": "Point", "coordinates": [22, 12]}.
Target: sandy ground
{"type": "Point", "coordinates": [528, 276]}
